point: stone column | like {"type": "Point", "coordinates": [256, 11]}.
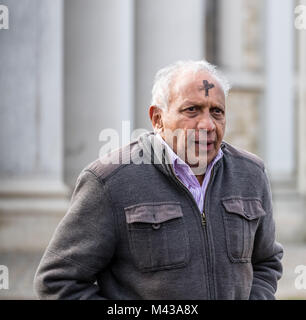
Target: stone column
{"type": "Point", "coordinates": [32, 192]}
{"type": "Point", "coordinates": [301, 109]}
{"type": "Point", "coordinates": [279, 87]}
{"type": "Point", "coordinates": [240, 31]}
{"type": "Point", "coordinates": [230, 42]}
{"type": "Point", "coordinates": [166, 31]}
{"type": "Point", "coordinates": [99, 81]}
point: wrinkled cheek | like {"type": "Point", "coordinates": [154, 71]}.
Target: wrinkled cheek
{"type": "Point", "coordinates": [220, 132]}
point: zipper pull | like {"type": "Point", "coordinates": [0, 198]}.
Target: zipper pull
{"type": "Point", "coordinates": [203, 219]}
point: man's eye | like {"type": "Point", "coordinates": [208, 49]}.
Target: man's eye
{"type": "Point", "coordinates": [191, 109]}
{"type": "Point", "coordinates": [217, 110]}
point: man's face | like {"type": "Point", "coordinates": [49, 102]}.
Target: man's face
{"type": "Point", "coordinates": [196, 102]}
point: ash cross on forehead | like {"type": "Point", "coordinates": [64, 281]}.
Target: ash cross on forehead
{"type": "Point", "coordinates": [207, 86]}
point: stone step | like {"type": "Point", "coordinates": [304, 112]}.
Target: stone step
{"type": "Point", "coordinates": [22, 267]}
{"type": "Point", "coordinates": [28, 224]}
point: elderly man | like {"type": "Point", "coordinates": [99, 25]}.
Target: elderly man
{"type": "Point", "coordinates": [190, 217]}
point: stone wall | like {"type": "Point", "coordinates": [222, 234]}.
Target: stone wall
{"type": "Point", "coordinates": [242, 126]}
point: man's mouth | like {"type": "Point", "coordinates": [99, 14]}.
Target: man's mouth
{"type": "Point", "coordinates": [209, 144]}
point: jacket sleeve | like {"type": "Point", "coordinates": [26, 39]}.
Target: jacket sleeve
{"type": "Point", "coordinates": [81, 247]}
{"type": "Point", "coordinates": [267, 253]}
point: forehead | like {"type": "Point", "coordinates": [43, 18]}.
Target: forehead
{"type": "Point", "coordinates": [196, 85]}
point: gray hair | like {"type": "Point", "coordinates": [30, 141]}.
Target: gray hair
{"type": "Point", "coordinates": [163, 78]}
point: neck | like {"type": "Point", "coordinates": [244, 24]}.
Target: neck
{"type": "Point", "coordinates": [200, 179]}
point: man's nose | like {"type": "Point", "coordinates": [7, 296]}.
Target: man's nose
{"type": "Point", "coordinates": [206, 122]}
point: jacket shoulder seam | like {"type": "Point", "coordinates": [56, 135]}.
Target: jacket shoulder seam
{"type": "Point", "coordinates": [107, 194]}
{"type": "Point", "coordinates": [240, 155]}
{"type": "Point", "coordinates": [100, 177]}
{"type": "Point", "coordinates": [261, 166]}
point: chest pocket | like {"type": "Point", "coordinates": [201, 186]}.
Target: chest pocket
{"type": "Point", "coordinates": [241, 218]}
{"type": "Point", "coordinates": [157, 235]}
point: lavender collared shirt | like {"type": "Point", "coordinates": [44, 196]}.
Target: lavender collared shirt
{"type": "Point", "coordinates": [185, 174]}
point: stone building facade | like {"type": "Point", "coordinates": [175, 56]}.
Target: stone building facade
{"type": "Point", "coordinates": [70, 68]}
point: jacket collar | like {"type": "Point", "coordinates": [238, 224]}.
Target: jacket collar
{"type": "Point", "coordinates": [155, 152]}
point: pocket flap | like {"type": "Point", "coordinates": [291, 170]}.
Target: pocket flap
{"type": "Point", "coordinates": [248, 208]}
{"type": "Point", "coordinates": [153, 212]}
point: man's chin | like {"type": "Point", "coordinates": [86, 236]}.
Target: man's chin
{"type": "Point", "coordinates": [198, 165]}
{"type": "Point", "coordinates": [211, 154]}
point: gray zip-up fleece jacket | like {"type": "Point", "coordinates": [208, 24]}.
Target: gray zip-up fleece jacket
{"type": "Point", "coordinates": [134, 231]}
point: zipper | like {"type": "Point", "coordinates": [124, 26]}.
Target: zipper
{"type": "Point", "coordinates": [173, 177]}
{"type": "Point", "coordinates": [202, 214]}
{"type": "Point", "coordinates": [203, 211]}
{"type": "Point", "coordinates": [203, 220]}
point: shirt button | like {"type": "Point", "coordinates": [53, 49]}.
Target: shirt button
{"type": "Point", "coordinates": [156, 226]}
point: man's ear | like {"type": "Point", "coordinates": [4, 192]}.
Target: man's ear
{"type": "Point", "coordinates": [155, 114]}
